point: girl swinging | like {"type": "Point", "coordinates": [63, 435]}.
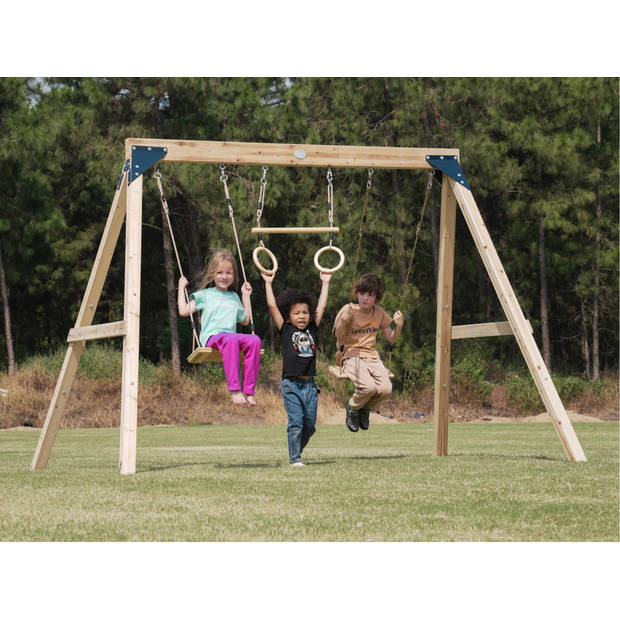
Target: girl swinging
{"type": "Point", "coordinates": [221, 310]}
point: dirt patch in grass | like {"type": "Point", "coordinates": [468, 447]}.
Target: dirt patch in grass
{"type": "Point", "coordinates": [95, 403]}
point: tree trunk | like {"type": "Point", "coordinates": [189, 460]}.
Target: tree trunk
{"type": "Point", "coordinates": [188, 237]}
{"type": "Point", "coordinates": [544, 297]}
{"type": "Point", "coordinates": [195, 254]}
{"type": "Point", "coordinates": [585, 348]}
{"type": "Point", "coordinates": [596, 370]}
{"type": "Point", "coordinates": [7, 318]}
{"type": "Point", "coordinates": [271, 329]}
{"type": "Point", "coordinates": [173, 321]}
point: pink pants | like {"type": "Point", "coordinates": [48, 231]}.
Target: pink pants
{"type": "Point", "coordinates": [230, 346]}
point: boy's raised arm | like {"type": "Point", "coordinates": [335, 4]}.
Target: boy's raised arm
{"type": "Point", "coordinates": [271, 301]}
{"type": "Point", "coordinates": [322, 303]}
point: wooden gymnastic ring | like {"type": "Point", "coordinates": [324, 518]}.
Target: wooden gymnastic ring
{"type": "Point", "coordinates": [325, 249]}
{"type": "Point", "coordinates": [274, 262]}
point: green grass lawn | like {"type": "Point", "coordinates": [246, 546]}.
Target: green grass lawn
{"type": "Point", "coordinates": [501, 482]}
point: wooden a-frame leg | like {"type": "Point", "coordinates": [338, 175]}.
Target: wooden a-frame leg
{"type": "Point", "coordinates": [519, 325]}
{"type": "Point", "coordinates": [443, 339]}
{"type": "Point", "coordinates": [131, 340]}
{"type": "Point", "coordinates": [85, 317]}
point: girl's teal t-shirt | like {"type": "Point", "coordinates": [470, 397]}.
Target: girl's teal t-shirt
{"type": "Point", "coordinates": [220, 312]}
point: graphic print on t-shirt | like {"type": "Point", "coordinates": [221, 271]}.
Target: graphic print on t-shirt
{"type": "Point", "coordinates": [303, 344]}
{"type": "Point", "coordinates": [366, 330]}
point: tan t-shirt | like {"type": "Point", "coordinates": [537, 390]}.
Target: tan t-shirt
{"type": "Point", "coordinates": [360, 337]}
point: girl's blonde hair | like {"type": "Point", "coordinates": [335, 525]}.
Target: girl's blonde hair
{"type": "Point", "coordinates": [217, 257]}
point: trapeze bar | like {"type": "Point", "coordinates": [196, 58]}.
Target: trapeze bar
{"type": "Point", "coordinates": [297, 231]}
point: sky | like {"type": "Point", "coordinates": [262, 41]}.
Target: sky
{"type": "Point", "coordinates": [319, 38]}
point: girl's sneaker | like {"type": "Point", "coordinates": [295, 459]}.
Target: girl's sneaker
{"type": "Point", "coordinates": [297, 464]}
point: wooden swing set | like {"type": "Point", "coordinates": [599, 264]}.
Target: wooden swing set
{"type": "Point", "coordinates": [143, 153]}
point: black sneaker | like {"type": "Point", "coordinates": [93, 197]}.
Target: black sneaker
{"type": "Point", "coordinates": [353, 419]}
{"type": "Point", "coordinates": [364, 418]}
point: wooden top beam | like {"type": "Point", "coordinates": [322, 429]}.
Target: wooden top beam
{"type": "Point", "coordinates": [256, 153]}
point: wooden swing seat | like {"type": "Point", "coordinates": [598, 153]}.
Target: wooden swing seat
{"type": "Point", "coordinates": [209, 354]}
{"type": "Point", "coordinates": [337, 372]}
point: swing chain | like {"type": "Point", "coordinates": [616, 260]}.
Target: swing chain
{"type": "Point", "coordinates": [330, 197]}
{"type": "Point", "coordinates": [429, 187]}
{"type": "Point", "coordinates": [431, 174]}
{"type": "Point", "coordinates": [362, 222]}
{"type": "Point", "coordinates": [261, 203]}
{"type": "Point", "coordinates": [223, 179]}
{"type": "Point", "coordinates": [164, 206]}
{"type": "Point", "coordinates": [223, 176]}
{"type": "Point", "coordinates": [164, 202]}
{"type": "Point", "coordinates": [330, 204]}
{"type": "Point", "coordinates": [261, 196]}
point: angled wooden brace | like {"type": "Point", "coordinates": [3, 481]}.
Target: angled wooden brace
{"type": "Point", "coordinates": [83, 329]}
{"type": "Point", "coordinates": [518, 323]}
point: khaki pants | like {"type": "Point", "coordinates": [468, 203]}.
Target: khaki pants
{"type": "Point", "coordinates": [371, 379]}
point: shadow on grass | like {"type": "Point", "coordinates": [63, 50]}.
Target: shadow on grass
{"type": "Point", "coordinates": [354, 458]}
{"type": "Point", "coordinates": [145, 469]}
{"type": "Point", "coordinates": [312, 463]}
{"type": "Point", "coordinates": [263, 465]}
{"type": "Point", "coordinates": [376, 458]}
{"type": "Point", "coordinates": [148, 468]}
{"type": "Point", "coordinates": [519, 457]}
{"type": "Point", "coordinates": [344, 459]}
{"type": "Point", "coordinates": [248, 466]}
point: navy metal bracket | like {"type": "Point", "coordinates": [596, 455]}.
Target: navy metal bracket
{"type": "Point", "coordinates": [143, 157]}
{"type": "Point", "coordinates": [449, 164]}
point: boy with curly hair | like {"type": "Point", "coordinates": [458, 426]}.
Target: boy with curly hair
{"type": "Point", "coordinates": [356, 327]}
{"type": "Point", "coordinates": [297, 315]}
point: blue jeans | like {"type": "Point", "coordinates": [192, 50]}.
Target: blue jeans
{"type": "Point", "coordinates": [300, 401]}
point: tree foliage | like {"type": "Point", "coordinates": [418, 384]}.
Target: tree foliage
{"type": "Point", "coordinates": [539, 153]}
